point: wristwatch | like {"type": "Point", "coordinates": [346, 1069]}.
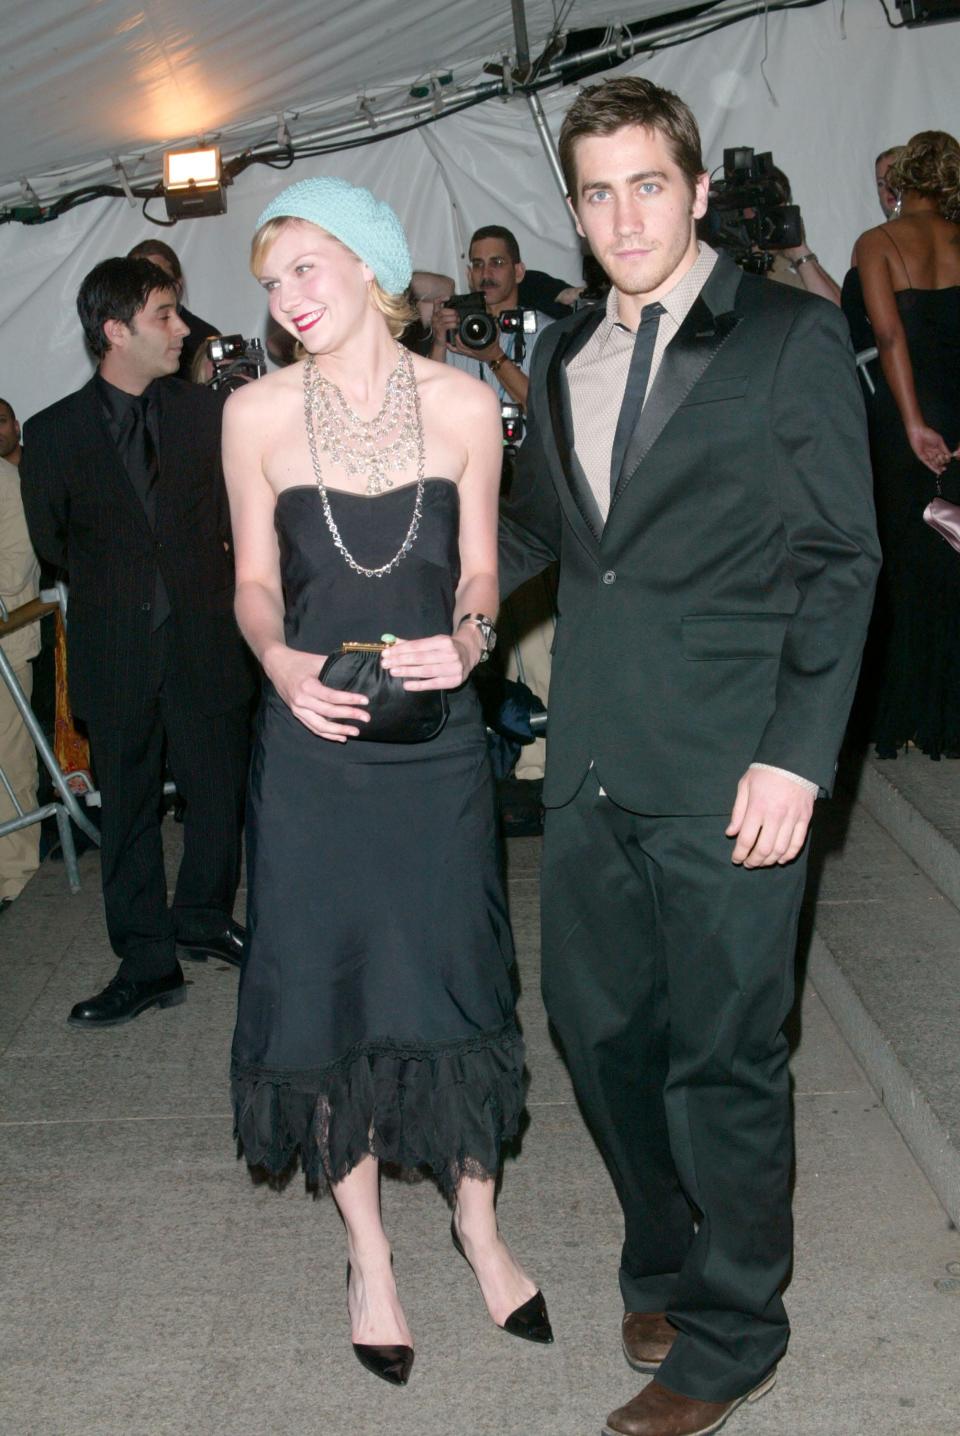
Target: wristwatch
{"type": "Point", "coordinates": [488, 632]}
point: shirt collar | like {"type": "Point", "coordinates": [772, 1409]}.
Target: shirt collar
{"type": "Point", "coordinates": [678, 301]}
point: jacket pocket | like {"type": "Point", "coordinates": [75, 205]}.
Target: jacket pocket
{"type": "Point", "coordinates": [710, 391]}
{"type": "Point", "coordinates": [733, 635]}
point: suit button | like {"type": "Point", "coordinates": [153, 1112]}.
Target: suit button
{"type": "Point", "coordinates": [146, 607]}
{"type": "Point", "coordinates": [609, 576]}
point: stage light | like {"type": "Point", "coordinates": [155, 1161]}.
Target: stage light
{"type": "Point", "coordinates": [193, 183]}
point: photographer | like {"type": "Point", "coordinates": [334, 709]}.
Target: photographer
{"type": "Point", "coordinates": [494, 270]}
{"type": "Point", "coordinates": [750, 214]}
{"type": "Point", "coordinates": [527, 621]}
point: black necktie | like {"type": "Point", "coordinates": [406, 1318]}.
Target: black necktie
{"type": "Point", "coordinates": [140, 457]}
{"type": "Point", "coordinates": [633, 395]}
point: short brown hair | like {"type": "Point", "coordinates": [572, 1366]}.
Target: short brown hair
{"type": "Point", "coordinates": [497, 231]}
{"type": "Point", "coordinates": [395, 308]}
{"type": "Point", "coordinates": [930, 164]}
{"type": "Point", "coordinates": [610, 106]}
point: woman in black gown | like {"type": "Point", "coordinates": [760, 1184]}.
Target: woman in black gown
{"type": "Point", "coordinates": [910, 271]}
{"type": "Point", "coordinates": [376, 1009]}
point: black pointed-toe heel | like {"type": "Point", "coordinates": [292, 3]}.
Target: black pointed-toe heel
{"type": "Point", "coordinates": [530, 1322]}
{"type": "Point", "coordinates": [392, 1364]}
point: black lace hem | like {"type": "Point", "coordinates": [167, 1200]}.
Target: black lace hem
{"type": "Point", "coordinates": [444, 1107]}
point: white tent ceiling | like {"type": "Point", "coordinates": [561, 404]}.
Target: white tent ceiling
{"type": "Point", "coordinates": [84, 80]}
{"type": "Point", "coordinates": [824, 87]}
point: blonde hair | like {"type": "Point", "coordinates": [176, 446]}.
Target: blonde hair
{"type": "Point", "coordinates": [929, 164]}
{"type": "Point", "coordinates": [395, 308]}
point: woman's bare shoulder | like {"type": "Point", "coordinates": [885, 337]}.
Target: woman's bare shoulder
{"type": "Point", "coordinates": [872, 239]}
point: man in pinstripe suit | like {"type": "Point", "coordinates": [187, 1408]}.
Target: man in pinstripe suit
{"type": "Point", "coordinates": [123, 489]}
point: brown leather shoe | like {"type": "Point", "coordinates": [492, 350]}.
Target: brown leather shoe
{"type": "Point", "coordinates": [657, 1411]}
{"type": "Point", "coordinates": [647, 1337]}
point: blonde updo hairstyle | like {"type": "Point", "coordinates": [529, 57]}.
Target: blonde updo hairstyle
{"type": "Point", "coordinates": [395, 308]}
{"type": "Point", "coordinates": [929, 164]}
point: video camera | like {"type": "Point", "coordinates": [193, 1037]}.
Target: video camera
{"type": "Point", "coordinates": [748, 211]}
{"type": "Point", "coordinates": [478, 328]}
{"type": "Point", "coordinates": [234, 360]}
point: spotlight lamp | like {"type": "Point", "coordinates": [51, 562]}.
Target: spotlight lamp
{"type": "Point", "coordinates": [193, 183]}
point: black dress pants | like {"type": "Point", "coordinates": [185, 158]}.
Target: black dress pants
{"type": "Point", "coordinates": [208, 755]}
{"type": "Point", "coordinates": [668, 974]}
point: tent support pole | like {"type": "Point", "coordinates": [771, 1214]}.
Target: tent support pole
{"type": "Point", "coordinates": [520, 37]}
{"type": "Point", "coordinates": [546, 139]}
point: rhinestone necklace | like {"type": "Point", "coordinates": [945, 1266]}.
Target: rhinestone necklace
{"type": "Point", "coordinates": [375, 446]}
{"type": "Point", "coordinates": [400, 409]}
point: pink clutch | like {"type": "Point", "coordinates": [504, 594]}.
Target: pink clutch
{"type": "Point", "coordinates": [944, 518]}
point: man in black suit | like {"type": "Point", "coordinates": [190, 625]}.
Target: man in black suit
{"type": "Point", "coordinates": [697, 462]}
{"type": "Point", "coordinates": [123, 489]}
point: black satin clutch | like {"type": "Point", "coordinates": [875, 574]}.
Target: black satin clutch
{"type": "Point", "coordinates": [396, 714]}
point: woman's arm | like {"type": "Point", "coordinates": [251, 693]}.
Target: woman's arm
{"type": "Point", "coordinates": [259, 595]}
{"type": "Point", "coordinates": [446, 660]}
{"type": "Point", "coordinates": [874, 252]}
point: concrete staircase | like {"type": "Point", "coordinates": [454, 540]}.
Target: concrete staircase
{"type": "Point", "coordinates": [883, 949]}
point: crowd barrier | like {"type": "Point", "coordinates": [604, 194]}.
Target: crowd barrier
{"type": "Point", "coordinates": [69, 786]}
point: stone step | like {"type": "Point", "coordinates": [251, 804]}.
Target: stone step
{"type": "Point", "coordinates": [918, 802]}
{"type": "Point", "coordinates": [884, 955]}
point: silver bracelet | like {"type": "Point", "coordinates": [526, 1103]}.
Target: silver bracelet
{"type": "Point", "coordinates": [810, 258]}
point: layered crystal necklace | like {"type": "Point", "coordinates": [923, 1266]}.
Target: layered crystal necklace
{"type": "Point", "coordinates": [388, 441]}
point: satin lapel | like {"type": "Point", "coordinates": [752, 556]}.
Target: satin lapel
{"type": "Point", "coordinates": [575, 493]}
{"type": "Point", "coordinates": [708, 325]}
{"type": "Point", "coordinates": [108, 464]}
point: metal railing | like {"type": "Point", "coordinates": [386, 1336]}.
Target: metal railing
{"type": "Point", "coordinates": [65, 808]}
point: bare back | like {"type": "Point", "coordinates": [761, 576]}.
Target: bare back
{"type": "Point", "coordinates": [920, 251]}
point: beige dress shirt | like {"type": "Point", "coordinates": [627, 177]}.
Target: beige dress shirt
{"type": "Point", "coordinates": [597, 376]}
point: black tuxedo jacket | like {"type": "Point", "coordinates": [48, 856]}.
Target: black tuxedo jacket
{"type": "Point", "coordinates": [718, 616]}
{"type": "Point", "coordinates": [84, 516]}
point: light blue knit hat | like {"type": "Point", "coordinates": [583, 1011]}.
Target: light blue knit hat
{"type": "Point", "coordinates": [357, 218]}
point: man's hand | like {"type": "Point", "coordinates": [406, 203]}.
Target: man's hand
{"type": "Point", "coordinates": [446, 321]}
{"type": "Point", "coordinates": [770, 819]}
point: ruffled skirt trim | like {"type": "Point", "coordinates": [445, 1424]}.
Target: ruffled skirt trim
{"type": "Point", "coordinates": [444, 1107]}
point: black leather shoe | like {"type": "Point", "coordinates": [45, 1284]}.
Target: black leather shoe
{"type": "Point", "coordinates": [227, 945]}
{"type": "Point", "coordinates": [122, 1001]}
{"type": "Point", "coordinates": [392, 1364]}
{"type": "Point", "coordinates": [530, 1321]}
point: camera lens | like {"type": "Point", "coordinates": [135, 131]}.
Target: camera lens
{"type": "Point", "coordinates": [477, 331]}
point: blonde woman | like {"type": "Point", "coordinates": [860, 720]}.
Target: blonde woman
{"type": "Point", "coordinates": [376, 1012]}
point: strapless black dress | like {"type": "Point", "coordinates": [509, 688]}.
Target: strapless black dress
{"type": "Point", "coordinates": [376, 1004]}
{"type": "Point", "coordinates": [913, 656]}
